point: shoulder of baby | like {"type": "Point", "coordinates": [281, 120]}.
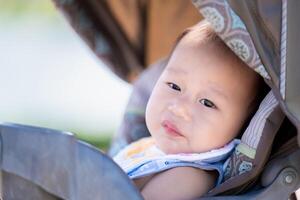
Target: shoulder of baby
{"type": "Point", "coordinates": [187, 182]}
{"type": "Point", "coordinates": [187, 171]}
{"type": "Point", "coordinates": [188, 174]}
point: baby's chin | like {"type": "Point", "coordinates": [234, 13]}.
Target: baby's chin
{"type": "Point", "coordinates": [168, 148]}
{"type": "Point", "coordinates": [169, 151]}
{"type": "Point", "coordinates": [172, 149]}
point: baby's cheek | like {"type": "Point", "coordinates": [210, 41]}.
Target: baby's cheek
{"type": "Point", "coordinates": [213, 123]}
{"type": "Point", "coordinates": [203, 117]}
{"type": "Point", "coordinates": [149, 115]}
{"type": "Point", "coordinates": [152, 116]}
{"type": "Point", "coordinates": [233, 123]}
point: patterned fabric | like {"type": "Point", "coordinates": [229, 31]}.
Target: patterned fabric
{"type": "Point", "coordinates": [254, 131]}
{"type": "Point", "coordinates": [232, 31]}
{"type": "Point", "coordinates": [143, 158]}
{"type": "Point", "coordinates": [242, 159]}
{"type": "Point", "coordinates": [237, 164]}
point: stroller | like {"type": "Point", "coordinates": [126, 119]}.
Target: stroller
{"type": "Point", "coordinates": [265, 165]}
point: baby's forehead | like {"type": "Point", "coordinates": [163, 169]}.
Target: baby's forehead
{"type": "Point", "coordinates": [176, 70]}
{"type": "Point", "coordinates": [226, 61]}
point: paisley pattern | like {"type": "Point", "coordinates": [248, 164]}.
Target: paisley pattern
{"type": "Point", "coordinates": [232, 30]}
{"type": "Point", "coordinates": [213, 16]}
{"type": "Point", "coordinates": [242, 159]}
{"type": "Point", "coordinates": [237, 164]}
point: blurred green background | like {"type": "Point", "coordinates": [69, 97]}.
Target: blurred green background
{"type": "Point", "coordinates": [19, 7]}
{"type": "Point", "coordinates": [50, 78]}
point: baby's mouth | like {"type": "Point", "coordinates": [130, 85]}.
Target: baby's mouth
{"type": "Point", "coordinates": [171, 129]}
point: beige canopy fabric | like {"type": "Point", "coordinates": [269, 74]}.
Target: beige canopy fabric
{"type": "Point", "coordinates": [152, 26]}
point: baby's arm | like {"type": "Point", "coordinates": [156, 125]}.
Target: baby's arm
{"type": "Point", "coordinates": [179, 183]}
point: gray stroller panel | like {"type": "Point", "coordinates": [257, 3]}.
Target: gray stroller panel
{"type": "Point", "coordinates": [40, 163]}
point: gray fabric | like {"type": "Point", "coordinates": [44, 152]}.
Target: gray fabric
{"type": "Point", "coordinates": [253, 133]}
{"type": "Point", "coordinates": [283, 49]}
{"type": "Point", "coordinates": [264, 28]}
{"type": "Point", "coordinates": [232, 30]}
{"type": "Point", "coordinates": [16, 188]}
{"type": "Point", "coordinates": [60, 165]}
{"type": "Point", "coordinates": [263, 21]}
{"type": "Point", "coordinates": [293, 60]}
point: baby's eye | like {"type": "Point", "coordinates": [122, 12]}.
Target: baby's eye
{"type": "Point", "coordinates": [207, 103]}
{"type": "Point", "coordinates": [173, 86]}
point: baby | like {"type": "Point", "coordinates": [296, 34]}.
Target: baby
{"type": "Point", "coordinates": [198, 106]}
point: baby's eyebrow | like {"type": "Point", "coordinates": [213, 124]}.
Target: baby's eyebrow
{"type": "Point", "coordinates": [174, 70]}
{"type": "Point", "coordinates": [218, 91]}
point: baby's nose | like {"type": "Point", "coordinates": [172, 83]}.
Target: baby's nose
{"type": "Point", "coordinates": [179, 111]}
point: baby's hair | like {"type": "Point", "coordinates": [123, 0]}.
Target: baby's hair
{"type": "Point", "coordinates": [203, 34]}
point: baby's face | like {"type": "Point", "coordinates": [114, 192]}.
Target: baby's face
{"type": "Point", "coordinates": [200, 102]}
